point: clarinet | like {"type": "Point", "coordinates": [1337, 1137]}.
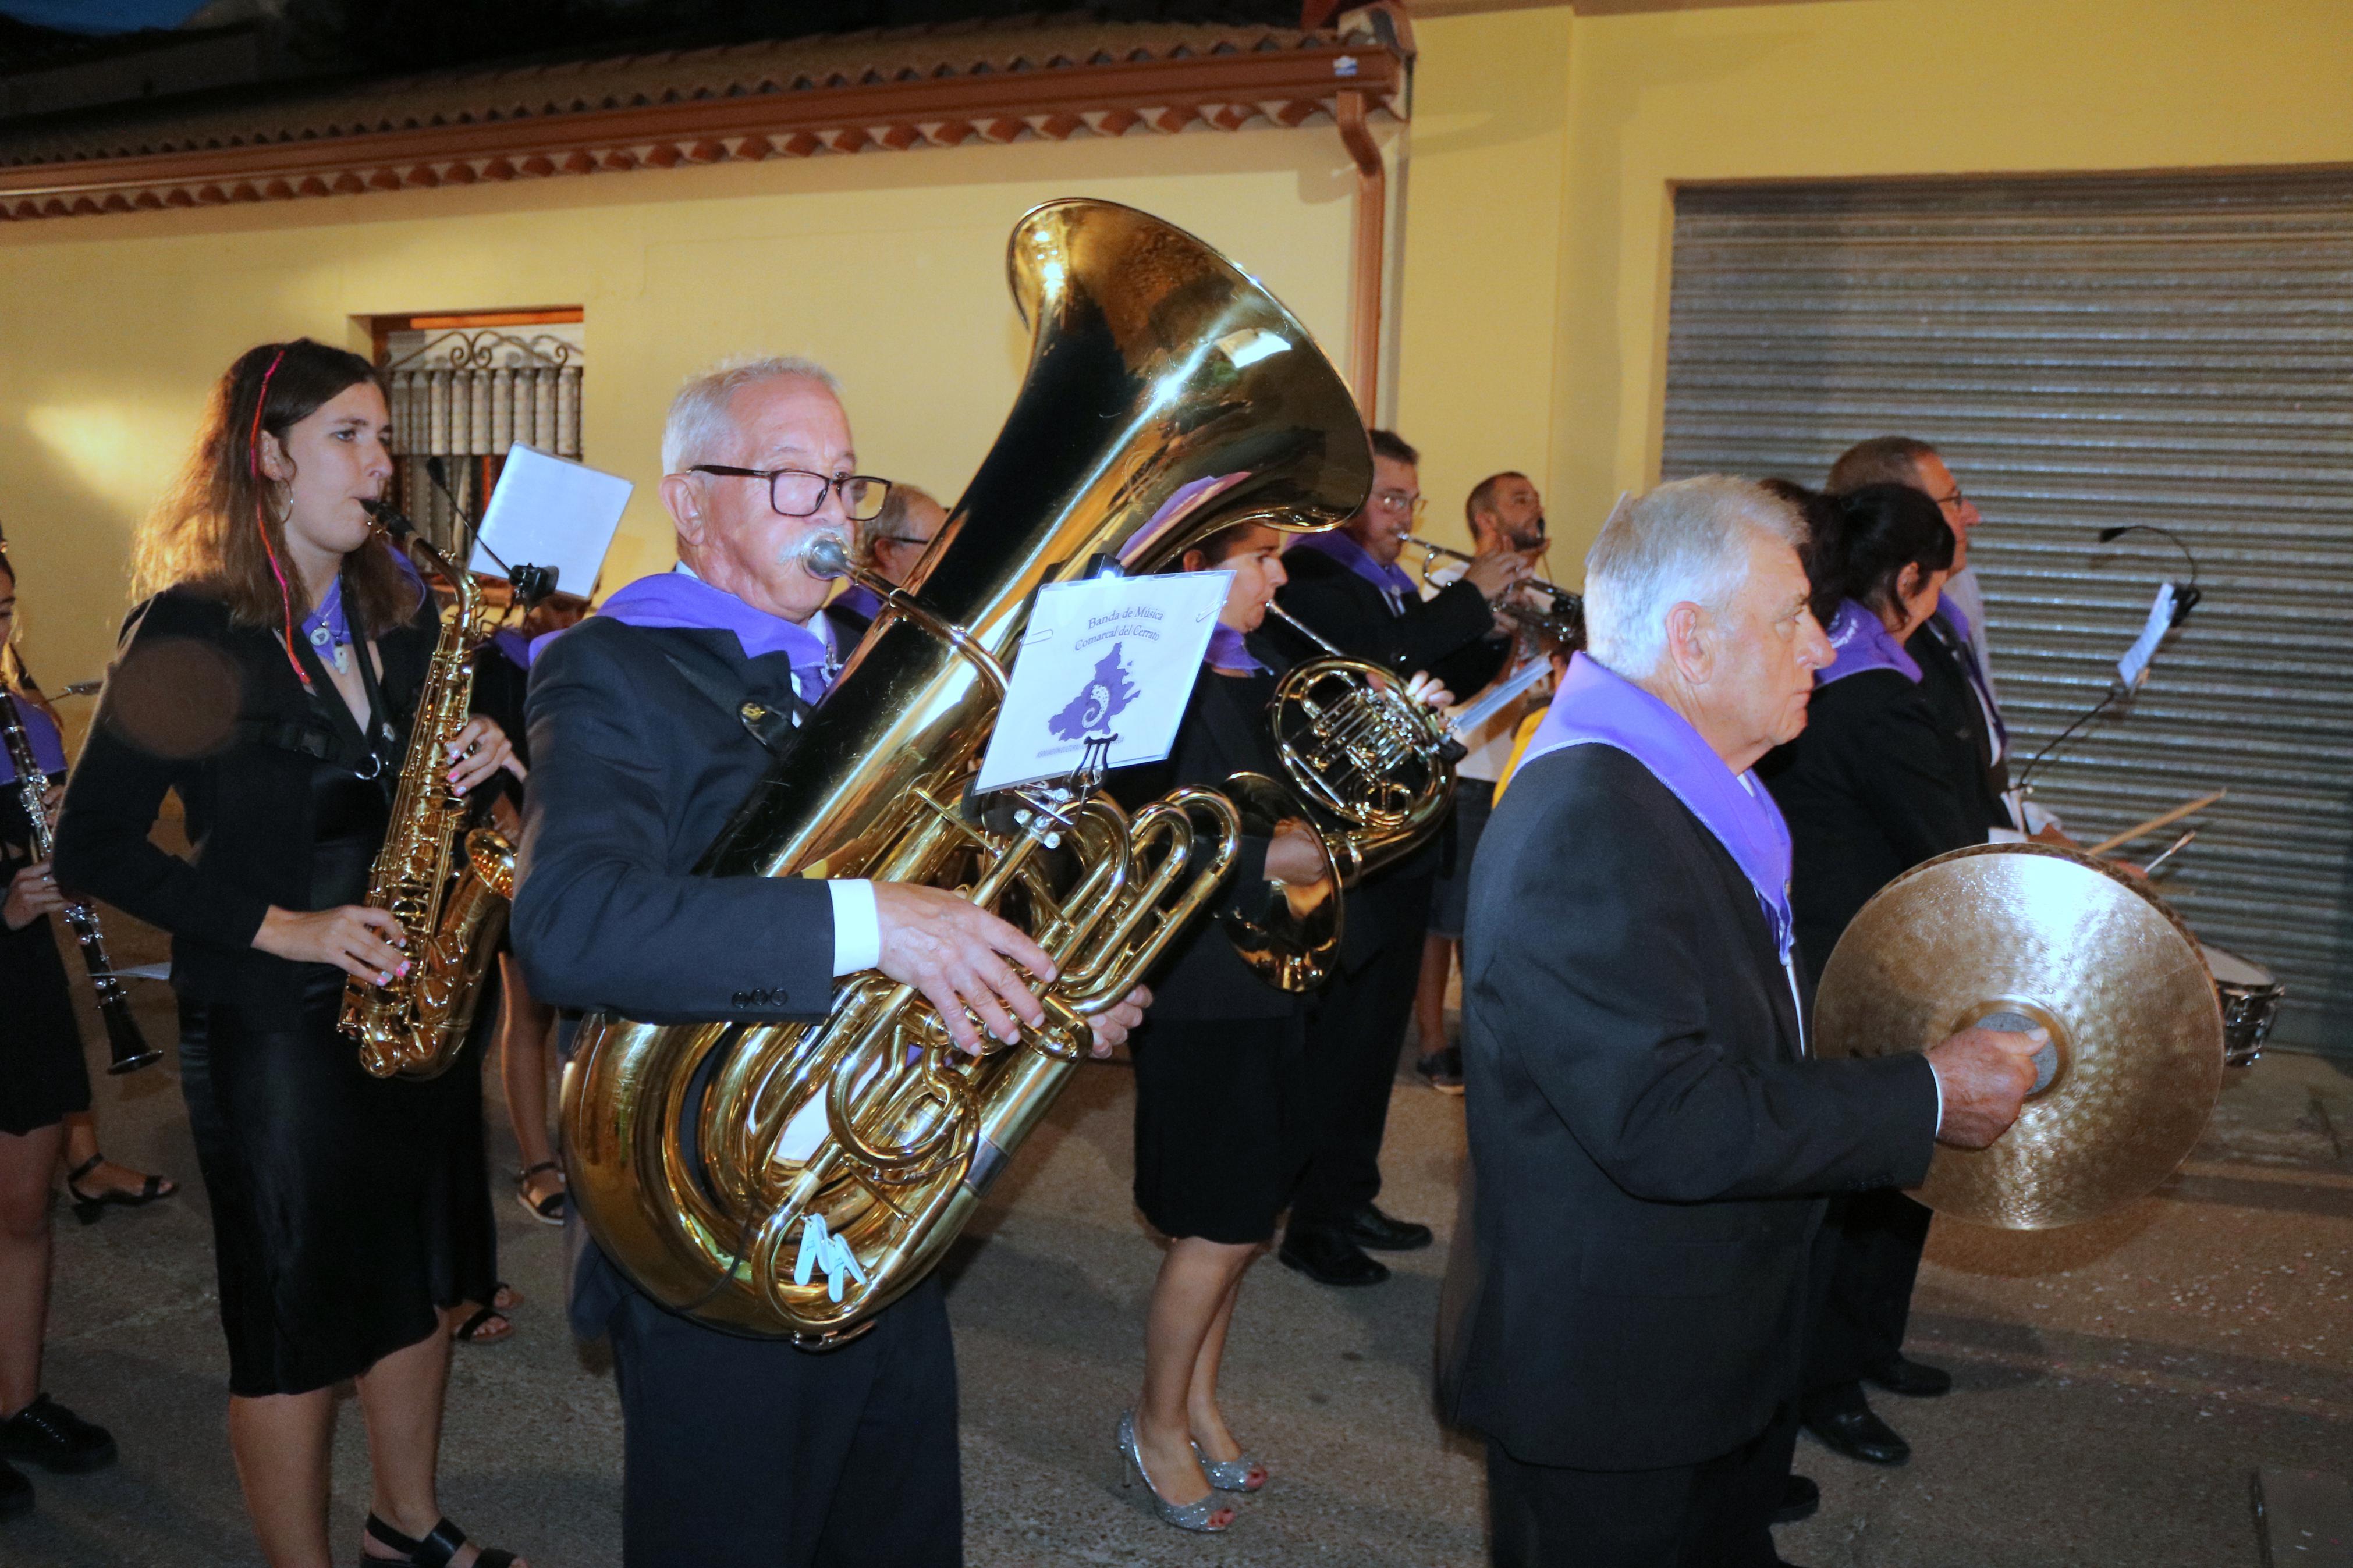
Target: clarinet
{"type": "Point", "coordinates": [129, 1047]}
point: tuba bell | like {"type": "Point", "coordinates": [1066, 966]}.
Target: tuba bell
{"type": "Point", "coordinates": [794, 1180]}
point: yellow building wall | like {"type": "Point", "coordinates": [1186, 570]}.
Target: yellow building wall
{"type": "Point", "coordinates": [887, 268]}
{"type": "Point", "coordinates": [1846, 89]}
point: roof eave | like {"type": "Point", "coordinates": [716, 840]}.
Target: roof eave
{"type": "Point", "coordinates": [1225, 93]}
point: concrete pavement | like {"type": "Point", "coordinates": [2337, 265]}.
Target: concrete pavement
{"type": "Point", "coordinates": [2119, 1382]}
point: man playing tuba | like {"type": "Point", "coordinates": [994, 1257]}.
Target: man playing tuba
{"type": "Point", "coordinates": [742, 1450]}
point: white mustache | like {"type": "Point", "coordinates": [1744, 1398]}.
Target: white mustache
{"type": "Point", "coordinates": [803, 552]}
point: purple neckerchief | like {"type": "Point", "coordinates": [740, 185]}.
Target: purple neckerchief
{"type": "Point", "coordinates": [1958, 619]}
{"type": "Point", "coordinates": [857, 600]}
{"type": "Point", "coordinates": [1228, 651]}
{"type": "Point", "coordinates": [49, 750]}
{"type": "Point", "coordinates": [1862, 642]}
{"type": "Point", "coordinates": [1395, 584]}
{"type": "Point", "coordinates": [514, 646]}
{"type": "Point", "coordinates": [1596, 707]}
{"type": "Point", "coordinates": [681, 599]}
{"type": "Point", "coordinates": [330, 619]}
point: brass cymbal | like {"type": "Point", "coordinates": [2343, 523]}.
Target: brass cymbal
{"type": "Point", "coordinates": [2053, 936]}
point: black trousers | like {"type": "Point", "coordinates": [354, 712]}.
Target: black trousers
{"type": "Point", "coordinates": [1353, 1036]}
{"type": "Point", "coordinates": [1867, 1261]}
{"type": "Point", "coordinates": [741, 1453]}
{"type": "Point", "coordinates": [1714, 1514]}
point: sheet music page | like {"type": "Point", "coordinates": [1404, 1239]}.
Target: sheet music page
{"type": "Point", "coordinates": [549, 511]}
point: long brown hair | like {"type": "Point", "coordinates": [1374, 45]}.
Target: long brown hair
{"type": "Point", "coordinates": [221, 526]}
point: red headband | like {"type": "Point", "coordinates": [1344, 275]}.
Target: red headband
{"type": "Point", "coordinates": [260, 523]}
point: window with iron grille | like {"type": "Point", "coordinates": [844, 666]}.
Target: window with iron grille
{"type": "Point", "coordinates": [466, 388]}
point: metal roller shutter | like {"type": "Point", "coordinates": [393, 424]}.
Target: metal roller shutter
{"type": "Point", "coordinates": [2175, 350]}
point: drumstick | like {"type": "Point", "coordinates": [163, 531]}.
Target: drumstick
{"type": "Point", "coordinates": [2154, 823]}
{"type": "Point", "coordinates": [2171, 850]}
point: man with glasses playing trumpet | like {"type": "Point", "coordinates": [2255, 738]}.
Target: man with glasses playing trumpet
{"type": "Point", "coordinates": [741, 1450]}
{"type": "Point", "coordinates": [1347, 587]}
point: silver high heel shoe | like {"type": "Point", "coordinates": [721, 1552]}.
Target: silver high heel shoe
{"type": "Point", "coordinates": [1194, 1515]}
{"type": "Point", "coordinates": [1231, 1475]}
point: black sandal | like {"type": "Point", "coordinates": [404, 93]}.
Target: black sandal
{"type": "Point", "coordinates": [548, 1210]}
{"type": "Point", "coordinates": [440, 1545]}
{"type": "Point", "coordinates": [90, 1209]}
{"type": "Point", "coordinates": [469, 1333]}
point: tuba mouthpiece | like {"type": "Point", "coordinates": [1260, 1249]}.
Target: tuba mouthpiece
{"type": "Point", "coordinates": [824, 555]}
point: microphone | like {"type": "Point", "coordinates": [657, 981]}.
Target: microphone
{"type": "Point", "coordinates": [532, 584]}
{"type": "Point", "coordinates": [2184, 599]}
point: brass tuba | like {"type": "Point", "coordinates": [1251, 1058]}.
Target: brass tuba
{"type": "Point", "coordinates": [794, 1180]}
{"type": "Point", "coordinates": [450, 898]}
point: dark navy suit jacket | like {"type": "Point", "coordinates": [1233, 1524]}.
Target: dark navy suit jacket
{"type": "Point", "coordinates": [1649, 1146]}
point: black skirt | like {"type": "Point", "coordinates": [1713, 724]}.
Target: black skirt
{"type": "Point", "coordinates": [42, 1074]}
{"type": "Point", "coordinates": [1219, 1133]}
{"type": "Point", "coordinates": [345, 1208]}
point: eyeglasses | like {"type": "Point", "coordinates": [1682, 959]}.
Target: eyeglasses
{"type": "Point", "coordinates": [796, 492]}
{"type": "Point", "coordinates": [1957, 499]}
{"type": "Point", "coordinates": [1398, 500]}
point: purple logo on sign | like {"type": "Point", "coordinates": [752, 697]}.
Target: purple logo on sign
{"type": "Point", "coordinates": [1107, 690]}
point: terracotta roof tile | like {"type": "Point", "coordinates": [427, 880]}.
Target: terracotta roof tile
{"type": "Point", "coordinates": [554, 89]}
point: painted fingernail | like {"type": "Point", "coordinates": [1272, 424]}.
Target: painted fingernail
{"type": "Point", "coordinates": [403, 970]}
{"type": "Point", "coordinates": [384, 980]}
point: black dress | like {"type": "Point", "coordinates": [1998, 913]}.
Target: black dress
{"type": "Point", "coordinates": [1221, 1133]}
{"type": "Point", "coordinates": [339, 1221]}
{"type": "Point", "coordinates": [42, 1075]}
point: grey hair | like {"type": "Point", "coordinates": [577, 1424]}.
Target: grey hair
{"type": "Point", "coordinates": [698, 422]}
{"type": "Point", "coordinates": [887, 521]}
{"type": "Point", "coordinates": [1682, 543]}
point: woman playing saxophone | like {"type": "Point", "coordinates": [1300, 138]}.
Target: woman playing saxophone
{"type": "Point", "coordinates": [268, 679]}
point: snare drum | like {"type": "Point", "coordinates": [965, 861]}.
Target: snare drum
{"type": "Point", "coordinates": [2250, 999]}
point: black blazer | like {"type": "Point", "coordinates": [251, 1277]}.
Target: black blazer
{"type": "Point", "coordinates": [1449, 634]}
{"type": "Point", "coordinates": [1647, 1143]}
{"type": "Point", "coordinates": [638, 765]}
{"type": "Point", "coordinates": [1224, 732]}
{"type": "Point", "coordinates": [247, 793]}
{"type": "Point", "coordinates": [1978, 777]}
{"type": "Point", "coordinates": [1868, 791]}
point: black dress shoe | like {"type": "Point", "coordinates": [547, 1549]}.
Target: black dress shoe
{"type": "Point", "coordinates": [1859, 1435]}
{"type": "Point", "coordinates": [1913, 1379]}
{"type": "Point", "coordinates": [15, 1491]}
{"type": "Point", "coordinates": [1800, 1498]}
{"type": "Point", "coordinates": [1368, 1227]}
{"type": "Point", "coordinates": [1329, 1257]}
{"type": "Point", "coordinates": [52, 1437]}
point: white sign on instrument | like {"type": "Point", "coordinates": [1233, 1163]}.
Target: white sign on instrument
{"type": "Point", "coordinates": [550, 512]}
{"type": "Point", "coordinates": [1112, 658]}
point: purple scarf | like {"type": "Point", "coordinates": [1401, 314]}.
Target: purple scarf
{"type": "Point", "coordinates": [1228, 651]}
{"type": "Point", "coordinates": [1862, 642]}
{"type": "Point", "coordinates": [1392, 579]}
{"type": "Point", "coordinates": [49, 750]}
{"type": "Point", "coordinates": [858, 600]}
{"type": "Point", "coordinates": [680, 599]}
{"type": "Point", "coordinates": [1595, 707]}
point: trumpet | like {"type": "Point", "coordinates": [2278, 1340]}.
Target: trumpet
{"type": "Point", "coordinates": [1565, 622]}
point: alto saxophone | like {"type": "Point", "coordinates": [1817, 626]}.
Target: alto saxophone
{"type": "Point", "coordinates": [125, 1044]}
{"type": "Point", "coordinates": [793, 1180]}
{"type": "Point", "coordinates": [450, 898]}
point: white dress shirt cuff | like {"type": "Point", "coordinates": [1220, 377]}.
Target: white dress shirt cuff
{"type": "Point", "coordinates": [2005, 836]}
{"type": "Point", "coordinates": [857, 926]}
{"type": "Point", "coordinates": [1940, 1097]}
